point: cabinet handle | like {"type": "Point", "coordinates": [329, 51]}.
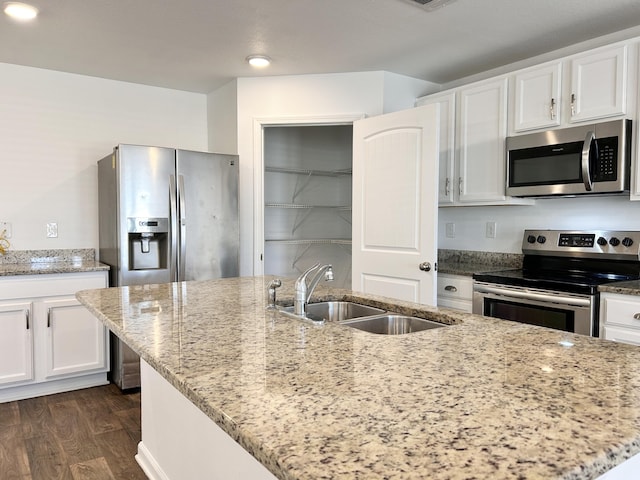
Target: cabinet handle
{"type": "Point", "coordinates": [459, 185]}
{"type": "Point", "coordinates": [48, 317]}
{"type": "Point", "coordinates": [553, 109]}
{"type": "Point", "coordinates": [447, 186]}
{"type": "Point", "coordinates": [573, 104]}
{"type": "Point", "coordinates": [637, 316]}
{"type": "Point", "coordinates": [26, 312]}
{"type": "Point", "coordinates": [450, 288]}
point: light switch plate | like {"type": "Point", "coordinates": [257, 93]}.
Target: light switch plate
{"type": "Point", "coordinates": [450, 230]}
{"type": "Point", "coordinates": [52, 230]}
{"type": "Point", "coordinates": [491, 229]}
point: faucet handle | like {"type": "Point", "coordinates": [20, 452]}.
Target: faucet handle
{"type": "Point", "coordinates": [275, 283]}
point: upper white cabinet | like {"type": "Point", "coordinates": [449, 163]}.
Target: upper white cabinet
{"type": "Point", "coordinates": [473, 128]}
{"type": "Point", "coordinates": [598, 84]}
{"type": "Point", "coordinates": [593, 86]}
{"type": "Point", "coordinates": [537, 97]}
{"type": "Point", "coordinates": [446, 168]}
{"type": "Point", "coordinates": [481, 133]}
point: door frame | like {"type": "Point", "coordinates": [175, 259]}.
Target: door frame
{"type": "Point", "coordinates": [259, 123]}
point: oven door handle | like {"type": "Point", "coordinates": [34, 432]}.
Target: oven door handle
{"type": "Point", "coordinates": [529, 295]}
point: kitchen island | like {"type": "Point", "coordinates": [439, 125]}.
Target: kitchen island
{"type": "Point", "coordinates": [479, 398]}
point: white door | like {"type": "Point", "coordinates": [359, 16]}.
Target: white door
{"type": "Point", "coordinates": [395, 204]}
{"type": "Point", "coordinates": [76, 340]}
{"type": "Point", "coordinates": [16, 342]}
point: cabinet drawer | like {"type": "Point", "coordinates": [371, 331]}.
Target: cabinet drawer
{"type": "Point", "coordinates": [622, 335]}
{"type": "Point", "coordinates": [620, 310]}
{"type": "Point", "coordinates": [455, 286]}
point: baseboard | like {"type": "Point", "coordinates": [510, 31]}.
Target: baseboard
{"type": "Point", "coordinates": [10, 394]}
{"type": "Point", "coordinates": [148, 464]}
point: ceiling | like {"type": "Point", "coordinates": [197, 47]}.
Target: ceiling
{"type": "Point", "coordinates": [199, 45]}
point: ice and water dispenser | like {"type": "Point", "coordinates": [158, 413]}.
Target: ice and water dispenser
{"type": "Point", "coordinates": [148, 243]}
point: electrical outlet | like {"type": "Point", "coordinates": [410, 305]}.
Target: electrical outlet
{"type": "Point", "coordinates": [52, 230]}
{"type": "Point", "coordinates": [6, 228]}
{"type": "Point", "coordinates": [450, 229]}
{"type": "Point", "coordinates": [491, 229]}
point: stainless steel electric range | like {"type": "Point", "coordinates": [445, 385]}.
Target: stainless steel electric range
{"type": "Point", "coordinates": [557, 286]}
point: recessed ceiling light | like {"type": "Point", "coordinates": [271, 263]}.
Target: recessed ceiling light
{"type": "Point", "coordinates": [259, 61]}
{"type": "Point", "coordinates": [20, 11]}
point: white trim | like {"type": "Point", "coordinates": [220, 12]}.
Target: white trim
{"type": "Point", "coordinates": [148, 464]}
{"type": "Point", "coordinates": [10, 394]}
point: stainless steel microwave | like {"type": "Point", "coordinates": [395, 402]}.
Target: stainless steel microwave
{"type": "Point", "coordinates": [589, 159]}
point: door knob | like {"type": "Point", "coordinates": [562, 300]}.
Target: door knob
{"type": "Point", "coordinates": [425, 266]}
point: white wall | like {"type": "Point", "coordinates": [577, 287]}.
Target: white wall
{"type": "Point", "coordinates": [54, 127]}
{"type": "Point", "coordinates": [296, 97]}
{"type": "Point", "coordinates": [584, 213]}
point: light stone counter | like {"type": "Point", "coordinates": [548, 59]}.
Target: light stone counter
{"type": "Point", "coordinates": [45, 262]}
{"type": "Point", "coordinates": [481, 398]}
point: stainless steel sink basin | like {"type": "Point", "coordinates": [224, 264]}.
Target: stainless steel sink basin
{"type": "Point", "coordinates": [337, 311]}
{"type": "Point", "coordinates": [391, 324]}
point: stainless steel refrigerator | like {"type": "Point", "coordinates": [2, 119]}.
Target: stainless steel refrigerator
{"type": "Point", "coordinates": [165, 215]}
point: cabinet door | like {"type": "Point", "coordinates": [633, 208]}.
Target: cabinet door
{"type": "Point", "coordinates": [482, 129]}
{"type": "Point", "coordinates": [446, 170]}
{"type": "Point", "coordinates": [76, 340]}
{"type": "Point", "coordinates": [16, 343]}
{"type": "Point", "coordinates": [537, 98]}
{"type": "Point", "coordinates": [395, 205]}
{"type": "Point", "coordinates": [599, 84]}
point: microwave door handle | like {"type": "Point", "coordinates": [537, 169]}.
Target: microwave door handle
{"type": "Point", "coordinates": [586, 155]}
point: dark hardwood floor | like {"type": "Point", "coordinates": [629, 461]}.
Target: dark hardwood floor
{"type": "Point", "coordinates": [86, 434]}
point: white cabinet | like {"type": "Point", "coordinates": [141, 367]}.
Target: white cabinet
{"type": "Point", "coordinates": [473, 125]}
{"type": "Point", "coordinates": [598, 84]}
{"type": "Point", "coordinates": [447, 170]}
{"type": "Point", "coordinates": [480, 140]}
{"type": "Point", "coordinates": [75, 339]}
{"type": "Point", "coordinates": [16, 342]}
{"type": "Point", "coordinates": [49, 342]}
{"type": "Point", "coordinates": [455, 291]}
{"type": "Point", "coordinates": [593, 87]}
{"type": "Point", "coordinates": [537, 97]}
{"type": "Point", "coordinates": [620, 318]}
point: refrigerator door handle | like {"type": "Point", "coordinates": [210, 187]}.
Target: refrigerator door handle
{"type": "Point", "coordinates": [183, 229]}
{"type": "Point", "coordinates": [173, 223]}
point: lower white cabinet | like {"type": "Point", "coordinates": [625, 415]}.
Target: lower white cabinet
{"type": "Point", "coordinates": [49, 342]}
{"type": "Point", "coordinates": [620, 318]}
{"type": "Point", "coordinates": [16, 342]}
{"type": "Point", "coordinates": [455, 291]}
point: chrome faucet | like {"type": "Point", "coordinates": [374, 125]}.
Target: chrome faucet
{"type": "Point", "coordinates": [304, 291]}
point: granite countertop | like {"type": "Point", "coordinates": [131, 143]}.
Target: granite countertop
{"type": "Point", "coordinates": [38, 262]}
{"type": "Point", "coordinates": [482, 398]}
{"type": "Point", "coordinates": [631, 287]}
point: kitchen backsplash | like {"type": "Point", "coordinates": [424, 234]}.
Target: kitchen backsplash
{"type": "Point", "coordinates": [509, 260]}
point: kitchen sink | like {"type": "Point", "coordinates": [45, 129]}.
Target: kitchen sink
{"type": "Point", "coordinates": [392, 324]}
{"type": "Point", "coordinates": [337, 311]}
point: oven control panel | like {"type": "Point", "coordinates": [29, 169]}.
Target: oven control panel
{"type": "Point", "coordinates": [597, 243]}
{"type": "Point", "coordinates": [576, 240]}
